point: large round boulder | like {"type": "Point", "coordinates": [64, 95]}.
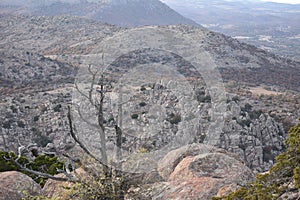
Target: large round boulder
{"type": "Point", "coordinates": [213, 165]}
{"type": "Point", "coordinates": [202, 176]}
{"type": "Point", "coordinates": [196, 171]}
{"type": "Point", "coordinates": [15, 186]}
{"type": "Point", "coordinates": [168, 163]}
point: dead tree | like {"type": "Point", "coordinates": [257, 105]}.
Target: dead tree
{"type": "Point", "coordinates": [96, 104]}
{"type": "Point", "coordinates": [95, 97]}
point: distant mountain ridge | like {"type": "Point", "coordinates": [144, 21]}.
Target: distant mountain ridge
{"type": "Point", "coordinates": [270, 26]}
{"type": "Point", "coordinates": [125, 13]}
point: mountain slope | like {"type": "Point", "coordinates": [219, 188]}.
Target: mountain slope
{"type": "Point", "coordinates": [267, 25]}
{"type": "Point", "coordinates": [126, 13]}
{"type": "Point", "coordinates": [76, 36]}
{"type": "Point", "coordinates": [52, 35]}
{"type": "Point", "coordinates": [23, 69]}
{"type": "Point", "coordinates": [39, 114]}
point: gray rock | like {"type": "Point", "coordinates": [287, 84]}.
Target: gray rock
{"type": "Point", "coordinates": [16, 186]}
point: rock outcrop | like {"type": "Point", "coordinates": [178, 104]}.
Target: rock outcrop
{"type": "Point", "coordinates": [202, 176]}
{"type": "Point", "coordinates": [15, 186]}
{"type": "Point", "coordinates": [195, 172]}
{"type": "Point", "coordinates": [167, 164]}
{"type": "Point", "coordinates": [256, 137]}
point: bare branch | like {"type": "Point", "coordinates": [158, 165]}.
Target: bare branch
{"type": "Point", "coordinates": [80, 92]}
{"type": "Point", "coordinates": [76, 139]}
{"type": "Point", "coordinates": [41, 174]}
{"type": "Point", "coordinates": [21, 150]}
{"type": "Point", "coordinates": [86, 121]}
{"type": "Point", "coordinates": [94, 74]}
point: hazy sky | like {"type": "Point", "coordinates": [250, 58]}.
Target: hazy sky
{"type": "Point", "coordinates": [278, 1]}
{"type": "Point", "coordinates": [285, 1]}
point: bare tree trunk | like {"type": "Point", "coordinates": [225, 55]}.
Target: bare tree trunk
{"type": "Point", "coordinates": [118, 128]}
{"type": "Point", "coordinates": [119, 131]}
{"type": "Point", "coordinates": [102, 132]}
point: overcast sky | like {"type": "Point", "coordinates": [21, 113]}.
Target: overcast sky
{"type": "Point", "coordinates": [285, 1]}
{"type": "Point", "coordinates": [278, 1]}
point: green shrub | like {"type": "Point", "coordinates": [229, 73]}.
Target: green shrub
{"type": "Point", "coordinates": [247, 107]}
{"type": "Point", "coordinates": [21, 124]}
{"type": "Point", "coordinates": [142, 104]}
{"type": "Point", "coordinates": [7, 124]}
{"type": "Point", "coordinates": [36, 118]}
{"type": "Point", "coordinates": [14, 109]}
{"type": "Point", "coordinates": [244, 122]}
{"type": "Point", "coordinates": [41, 140]}
{"type": "Point", "coordinates": [134, 116]}
{"type": "Point", "coordinates": [42, 163]}
{"type": "Point", "coordinates": [174, 118]}
{"type": "Point", "coordinates": [236, 99]}
{"type": "Point", "coordinates": [7, 165]}
{"type": "Point", "coordinates": [57, 108]}
{"type": "Point", "coordinates": [204, 99]}
{"type": "Point", "coordinates": [255, 114]}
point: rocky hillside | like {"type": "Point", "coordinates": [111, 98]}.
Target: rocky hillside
{"type": "Point", "coordinates": [157, 81]}
{"type": "Point", "coordinates": [69, 37]}
{"type": "Point", "coordinates": [130, 13]}
{"type": "Point", "coordinates": [52, 35]}
{"type": "Point", "coordinates": [23, 69]}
